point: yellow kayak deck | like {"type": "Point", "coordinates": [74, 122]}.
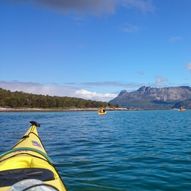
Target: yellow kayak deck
{"type": "Point", "coordinates": [28, 159]}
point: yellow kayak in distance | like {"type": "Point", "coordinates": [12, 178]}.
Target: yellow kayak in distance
{"type": "Point", "coordinates": [102, 111]}
{"type": "Point", "coordinates": [27, 167]}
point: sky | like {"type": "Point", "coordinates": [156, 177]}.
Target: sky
{"type": "Point", "coordinates": [93, 49]}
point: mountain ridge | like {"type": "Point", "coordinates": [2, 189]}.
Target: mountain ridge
{"type": "Point", "coordinates": [147, 97]}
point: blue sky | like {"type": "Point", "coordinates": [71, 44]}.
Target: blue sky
{"type": "Point", "coordinates": [94, 48]}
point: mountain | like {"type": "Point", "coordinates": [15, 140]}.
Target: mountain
{"type": "Point", "coordinates": [154, 98]}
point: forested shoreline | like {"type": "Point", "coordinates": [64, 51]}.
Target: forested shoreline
{"type": "Point", "coordinates": [18, 99]}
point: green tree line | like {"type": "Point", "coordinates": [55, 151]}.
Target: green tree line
{"type": "Point", "coordinates": [26, 100]}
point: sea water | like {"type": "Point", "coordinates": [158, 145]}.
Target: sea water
{"type": "Point", "coordinates": [120, 151]}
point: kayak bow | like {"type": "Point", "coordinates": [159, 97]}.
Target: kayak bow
{"type": "Point", "coordinates": [27, 165]}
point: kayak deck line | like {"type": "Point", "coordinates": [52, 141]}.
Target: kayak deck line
{"type": "Point", "coordinates": [28, 136]}
{"type": "Point", "coordinates": [26, 149]}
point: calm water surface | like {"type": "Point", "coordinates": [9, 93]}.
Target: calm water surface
{"type": "Point", "coordinates": [133, 151]}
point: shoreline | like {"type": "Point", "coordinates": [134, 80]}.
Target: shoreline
{"type": "Point", "coordinates": [6, 109]}
{"type": "Point", "coordinates": [3, 109]}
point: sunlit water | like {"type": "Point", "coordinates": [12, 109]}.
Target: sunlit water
{"type": "Point", "coordinates": [131, 150]}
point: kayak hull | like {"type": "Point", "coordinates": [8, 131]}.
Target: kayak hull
{"type": "Point", "coordinates": [102, 113]}
{"type": "Point", "coordinates": [28, 160]}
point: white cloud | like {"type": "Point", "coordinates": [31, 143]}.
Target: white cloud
{"type": "Point", "coordinates": [160, 81]}
{"type": "Point", "coordinates": [188, 66]}
{"type": "Point", "coordinates": [82, 93]}
{"type": "Point", "coordinates": [129, 28]}
{"type": "Point", "coordinates": [115, 84]}
{"type": "Point", "coordinates": [175, 39]}
{"type": "Point", "coordinates": [141, 5]}
{"type": "Point", "coordinates": [92, 6]}
{"type": "Point", "coordinates": [37, 88]}
{"type": "Point", "coordinates": [140, 73]}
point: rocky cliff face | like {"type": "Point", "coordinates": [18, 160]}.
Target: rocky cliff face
{"type": "Point", "coordinates": [153, 98]}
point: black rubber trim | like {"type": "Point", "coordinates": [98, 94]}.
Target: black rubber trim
{"type": "Point", "coordinates": [35, 123]}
